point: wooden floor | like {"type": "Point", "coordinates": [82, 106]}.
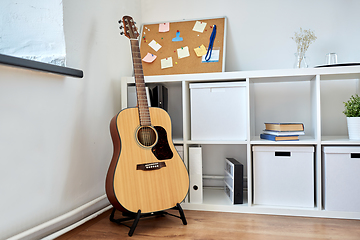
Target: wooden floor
{"type": "Point", "coordinates": [216, 225]}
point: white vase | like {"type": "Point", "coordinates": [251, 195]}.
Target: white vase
{"type": "Point", "coordinates": [353, 124]}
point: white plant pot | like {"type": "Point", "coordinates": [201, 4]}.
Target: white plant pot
{"type": "Point", "coordinates": [353, 124]}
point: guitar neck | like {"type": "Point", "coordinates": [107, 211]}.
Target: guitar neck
{"type": "Point", "coordinates": [142, 103]}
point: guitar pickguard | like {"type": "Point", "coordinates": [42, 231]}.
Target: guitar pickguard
{"type": "Point", "coordinates": [162, 150]}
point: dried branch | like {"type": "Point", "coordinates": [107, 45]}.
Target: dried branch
{"type": "Point", "coordinates": [303, 40]}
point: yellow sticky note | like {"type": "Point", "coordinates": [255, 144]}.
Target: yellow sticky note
{"type": "Point", "coordinates": [200, 51]}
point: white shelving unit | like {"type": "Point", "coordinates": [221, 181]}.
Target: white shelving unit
{"type": "Point", "coordinates": [313, 96]}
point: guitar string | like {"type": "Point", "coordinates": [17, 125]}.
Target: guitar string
{"type": "Point", "coordinates": [148, 136]}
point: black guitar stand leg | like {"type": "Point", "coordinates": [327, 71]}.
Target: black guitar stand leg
{"type": "Point", "coordinates": [182, 215]}
{"type": "Point", "coordinates": [131, 216]}
{"type": "Point", "coordinates": [136, 220]}
{"type": "Point", "coordinates": [181, 212]}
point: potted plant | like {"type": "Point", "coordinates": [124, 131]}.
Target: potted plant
{"type": "Point", "coordinates": [352, 113]}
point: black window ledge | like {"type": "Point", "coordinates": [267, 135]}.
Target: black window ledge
{"type": "Point", "coordinates": [45, 67]}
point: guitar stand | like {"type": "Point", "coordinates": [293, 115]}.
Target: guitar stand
{"type": "Point", "coordinates": [136, 217]}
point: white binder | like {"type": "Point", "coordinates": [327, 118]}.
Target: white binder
{"type": "Point", "coordinates": [195, 172]}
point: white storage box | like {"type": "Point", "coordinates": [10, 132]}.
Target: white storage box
{"type": "Point", "coordinates": [284, 176]}
{"type": "Point", "coordinates": [218, 111]}
{"type": "Point", "coordinates": [341, 178]}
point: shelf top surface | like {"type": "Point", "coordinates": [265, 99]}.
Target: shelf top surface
{"type": "Point", "coordinates": [305, 74]}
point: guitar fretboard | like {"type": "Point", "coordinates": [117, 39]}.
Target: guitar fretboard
{"type": "Point", "coordinates": [144, 114]}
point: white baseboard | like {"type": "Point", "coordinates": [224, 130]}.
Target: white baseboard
{"type": "Point", "coordinates": [66, 222]}
{"type": "Point", "coordinates": [75, 225]}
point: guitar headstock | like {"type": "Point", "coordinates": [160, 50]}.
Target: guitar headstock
{"type": "Point", "coordinates": [130, 30]}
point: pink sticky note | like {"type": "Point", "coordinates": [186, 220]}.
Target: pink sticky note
{"type": "Point", "coordinates": [164, 27]}
{"type": "Point", "coordinates": [149, 58]}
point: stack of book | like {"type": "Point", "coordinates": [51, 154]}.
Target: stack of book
{"type": "Point", "coordinates": [282, 131]}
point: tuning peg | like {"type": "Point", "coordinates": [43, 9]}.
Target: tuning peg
{"type": "Point", "coordinates": [121, 27]}
{"type": "Point", "coordinates": [121, 33]}
{"type": "Point", "coordinates": [119, 21]}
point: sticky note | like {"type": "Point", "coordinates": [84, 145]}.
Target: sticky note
{"type": "Point", "coordinates": [215, 56]}
{"type": "Point", "coordinates": [183, 52]}
{"type": "Point", "coordinates": [149, 58]}
{"type": "Point", "coordinates": [200, 51]}
{"type": "Point", "coordinates": [164, 27]}
{"type": "Point", "coordinates": [166, 62]}
{"type": "Point", "coordinates": [154, 45]}
{"type": "Point", "coordinates": [199, 26]}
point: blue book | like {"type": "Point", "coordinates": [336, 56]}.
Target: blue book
{"type": "Point", "coordinates": [279, 138]}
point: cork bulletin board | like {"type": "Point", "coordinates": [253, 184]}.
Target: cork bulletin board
{"type": "Point", "coordinates": [168, 48]}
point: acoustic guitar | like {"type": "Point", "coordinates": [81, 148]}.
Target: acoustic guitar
{"type": "Point", "coordinates": [146, 172]}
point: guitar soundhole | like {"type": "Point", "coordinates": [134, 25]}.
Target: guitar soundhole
{"type": "Point", "coordinates": [146, 136]}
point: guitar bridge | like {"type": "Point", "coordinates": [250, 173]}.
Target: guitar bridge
{"type": "Point", "coordinates": [150, 166]}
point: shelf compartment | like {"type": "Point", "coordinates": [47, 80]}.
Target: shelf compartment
{"type": "Point", "coordinates": [333, 120]}
{"type": "Point", "coordinates": [214, 169]}
{"type": "Point", "coordinates": [289, 101]}
{"type": "Point", "coordinates": [208, 160]}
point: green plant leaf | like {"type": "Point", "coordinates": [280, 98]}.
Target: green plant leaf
{"type": "Point", "coordinates": [352, 106]}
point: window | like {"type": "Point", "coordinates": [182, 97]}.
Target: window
{"type": "Point", "coordinates": [33, 30]}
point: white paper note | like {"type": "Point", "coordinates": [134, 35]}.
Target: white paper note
{"type": "Point", "coordinates": [199, 26]}
{"type": "Point", "coordinates": [183, 52]}
{"type": "Point", "coordinates": [166, 62]}
{"type": "Point", "coordinates": [154, 45]}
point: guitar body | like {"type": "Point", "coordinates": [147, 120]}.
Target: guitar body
{"type": "Point", "coordinates": [147, 176]}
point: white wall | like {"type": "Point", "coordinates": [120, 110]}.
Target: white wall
{"type": "Point", "coordinates": [259, 31]}
{"type": "Point", "coordinates": [55, 145]}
